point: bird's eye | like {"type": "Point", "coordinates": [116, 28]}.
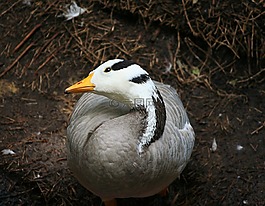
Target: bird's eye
{"type": "Point", "coordinates": [108, 69]}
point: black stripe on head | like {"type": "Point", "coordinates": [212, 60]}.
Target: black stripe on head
{"type": "Point", "coordinates": [140, 79]}
{"type": "Point", "coordinates": [122, 64]}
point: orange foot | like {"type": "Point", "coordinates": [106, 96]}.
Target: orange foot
{"type": "Point", "coordinates": [164, 192]}
{"type": "Point", "coordinates": [112, 202]}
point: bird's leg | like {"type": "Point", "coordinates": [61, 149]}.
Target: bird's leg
{"type": "Point", "coordinates": [163, 192]}
{"type": "Point", "coordinates": [112, 202]}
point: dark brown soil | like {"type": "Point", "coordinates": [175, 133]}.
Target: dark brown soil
{"type": "Point", "coordinates": [41, 54]}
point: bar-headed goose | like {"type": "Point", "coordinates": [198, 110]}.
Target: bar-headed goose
{"type": "Point", "coordinates": [128, 136]}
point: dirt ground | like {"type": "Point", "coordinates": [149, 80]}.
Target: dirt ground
{"type": "Point", "coordinates": [41, 54]}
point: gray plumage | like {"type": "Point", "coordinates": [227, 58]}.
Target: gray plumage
{"type": "Point", "coordinates": [102, 140]}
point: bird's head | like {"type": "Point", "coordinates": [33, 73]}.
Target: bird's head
{"type": "Point", "coordinates": [118, 79]}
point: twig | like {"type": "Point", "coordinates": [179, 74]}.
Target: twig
{"type": "Point", "coordinates": [16, 60]}
{"type": "Point", "coordinates": [48, 59]}
{"type": "Point", "coordinates": [37, 54]}
{"type": "Point", "coordinates": [121, 49]}
{"type": "Point", "coordinates": [26, 37]}
{"type": "Point", "coordinates": [10, 120]}
{"type": "Point", "coordinates": [87, 52]}
{"type": "Point", "coordinates": [188, 21]}
{"type": "Point", "coordinates": [10, 8]}
{"type": "Point", "coordinates": [258, 129]}
{"type": "Point", "coordinates": [251, 77]}
{"type": "Point", "coordinates": [191, 43]}
{"type": "Point", "coordinates": [17, 193]}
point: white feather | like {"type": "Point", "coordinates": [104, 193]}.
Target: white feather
{"type": "Point", "coordinates": [7, 152]}
{"type": "Point", "coordinates": [72, 11]}
{"type": "Point", "coordinates": [150, 129]}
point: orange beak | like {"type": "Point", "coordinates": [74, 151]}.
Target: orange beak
{"type": "Point", "coordinates": [84, 85]}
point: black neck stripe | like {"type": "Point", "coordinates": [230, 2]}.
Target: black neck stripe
{"type": "Point", "coordinates": [160, 112]}
{"type": "Point", "coordinates": [140, 79]}
{"type": "Point", "coordinates": [160, 115]}
{"type": "Point", "coordinates": [122, 64]}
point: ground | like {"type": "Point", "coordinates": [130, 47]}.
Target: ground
{"type": "Point", "coordinates": [41, 54]}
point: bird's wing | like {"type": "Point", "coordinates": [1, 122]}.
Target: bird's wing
{"type": "Point", "coordinates": [175, 110]}
{"type": "Point", "coordinates": [177, 126]}
{"type": "Point", "coordinates": [91, 111]}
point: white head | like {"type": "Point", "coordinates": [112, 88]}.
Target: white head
{"type": "Point", "coordinates": [121, 80]}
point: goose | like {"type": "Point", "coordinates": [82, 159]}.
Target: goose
{"type": "Point", "coordinates": [128, 136]}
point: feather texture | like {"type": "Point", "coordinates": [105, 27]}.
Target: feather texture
{"type": "Point", "coordinates": [102, 143]}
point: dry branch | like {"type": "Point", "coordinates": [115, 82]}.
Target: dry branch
{"type": "Point", "coordinates": [17, 59]}
{"type": "Point", "coordinates": [236, 26]}
{"type": "Point", "coordinates": [27, 37]}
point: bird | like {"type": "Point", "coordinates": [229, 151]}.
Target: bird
{"type": "Point", "coordinates": [128, 135]}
